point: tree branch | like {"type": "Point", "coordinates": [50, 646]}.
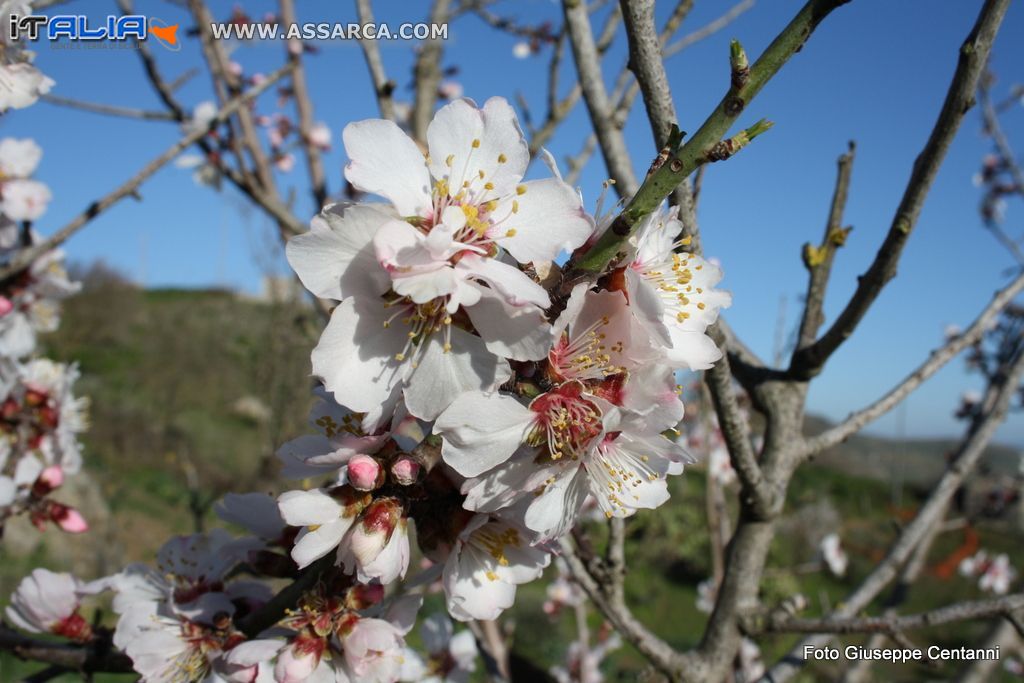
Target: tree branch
{"type": "Point", "coordinates": [819, 259]}
{"type": "Point", "coordinates": [701, 148]}
{"type": "Point", "coordinates": [427, 73]}
{"type": "Point", "coordinates": [108, 109]}
{"type": "Point", "coordinates": [938, 358]}
{"type": "Point", "coordinates": [25, 258]}
{"type": "Point", "coordinates": [974, 52]}
{"type": "Point", "coordinates": [304, 107]}
{"type": "Point", "coordinates": [382, 86]}
{"type": "Point", "coordinates": [588, 66]}
{"type": "Point", "coordinates": [97, 656]}
{"type": "Point", "coordinates": [961, 611]}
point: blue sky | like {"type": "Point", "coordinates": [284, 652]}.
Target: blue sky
{"type": "Point", "coordinates": [875, 71]}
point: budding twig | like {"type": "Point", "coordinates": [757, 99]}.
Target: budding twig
{"type": "Point", "coordinates": [695, 152]}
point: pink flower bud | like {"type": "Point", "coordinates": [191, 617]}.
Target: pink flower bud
{"type": "Point", "coordinates": [74, 627]}
{"type": "Point", "coordinates": [405, 470]}
{"type": "Point", "coordinates": [364, 473]}
{"type": "Point", "coordinates": [295, 664]}
{"type": "Point", "coordinates": [51, 477]}
{"type": "Point", "coordinates": [374, 529]}
{"type": "Point", "coordinates": [362, 596]}
{"type": "Point", "coordinates": [285, 163]}
{"type": "Point", "coordinates": [68, 518]}
{"type": "Point", "coordinates": [5, 306]}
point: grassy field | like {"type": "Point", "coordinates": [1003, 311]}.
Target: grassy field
{"type": "Point", "coordinates": [194, 386]}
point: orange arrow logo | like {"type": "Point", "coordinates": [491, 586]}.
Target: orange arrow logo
{"type": "Point", "coordinates": [168, 34]}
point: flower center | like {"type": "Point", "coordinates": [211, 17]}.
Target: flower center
{"type": "Point", "coordinates": [672, 279]}
{"type": "Point", "coordinates": [422, 320]}
{"type": "Point", "coordinates": [586, 355]}
{"type": "Point", "coordinates": [566, 421]}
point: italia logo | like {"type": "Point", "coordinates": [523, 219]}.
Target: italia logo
{"type": "Point", "coordinates": [77, 27]}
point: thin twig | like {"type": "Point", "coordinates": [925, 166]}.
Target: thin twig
{"type": "Point", "coordinates": [961, 611]}
{"type": "Point", "coordinates": [809, 360]}
{"type": "Point", "coordinates": [304, 107]}
{"type": "Point", "coordinates": [819, 259]}
{"type": "Point", "coordinates": [108, 109]}
{"type": "Point", "coordinates": [660, 653]}
{"type": "Point", "coordinates": [708, 29]}
{"type": "Point", "coordinates": [936, 361]}
{"type": "Point", "coordinates": [588, 66]}
{"type": "Point", "coordinates": [383, 87]}
{"type": "Point", "coordinates": [427, 74]}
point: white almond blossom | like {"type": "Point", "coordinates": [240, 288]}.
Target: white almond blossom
{"type": "Point", "coordinates": [591, 341]}
{"type": "Point", "coordinates": [672, 293]}
{"type": "Point", "coordinates": [21, 84]}
{"type": "Point", "coordinates": [583, 663]}
{"type": "Point", "coordinates": [833, 554]}
{"type": "Point", "coordinates": [998, 575]}
{"type": "Point", "coordinates": [448, 242]}
{"type": "Point", "coordinates": [48, 602]}
{"type": "Point", "coordinates": [19, 157]}
{"type": "Point", "coordinates": [488, 560]}
{"type": "Point", "coordinates": [370, 536]}
{"type": "Point", "coordinates": [326, 515]}
{"type": "Point", "coordinates": [21, 198]}
{"type": "Point", "coordinates": [29, 303]}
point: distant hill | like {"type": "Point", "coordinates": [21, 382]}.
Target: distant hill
{"type": "Point", "coordinates": [919, 462]}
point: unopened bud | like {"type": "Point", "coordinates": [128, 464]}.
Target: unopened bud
{"type": "Point", "coordinates": [9, 409]}
{"type": "Point", "coordinates": [364, 473]}
{"type": "Point", "coordinates": [739, 64]}
{"type": "Point", "coordinates": [67, 518]}
{"type": "Point", "coordinates": [374, 529]}
{"type": "Point", "coordinates": [34, 396]}
{"type": "Point", "coordinates": [49, 479]}
{"type": "Point", "coordinates": [73, 626]}
{"type": "Point", "coordinates": [296, 663]}
{"type": "Point", "coordinates": [5, 306]}
{"type": "Point", "coordinates": [405, 470]}
{"type": "Point", "coordinates": [362, 596]}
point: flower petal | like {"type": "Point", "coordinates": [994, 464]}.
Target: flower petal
{"type": "Point", "coordinates": [356, 355]}
{"type": "Point", "coordinates": [544, 218]}
{"type": "Point", "coordinates": [516, 332]}
{"type": "Point", "coordinates": [443, 375]}
{"type": "Point", "coordinates": [513, 284]}
{"type": "Point", "coordinates": [465, 141]}
{"type": "Point", "coordinates": [385, 161]}
{"type": "Point", "coordinates": [336, 258]}
{"type": "Point", "coordinates": [481, 431]}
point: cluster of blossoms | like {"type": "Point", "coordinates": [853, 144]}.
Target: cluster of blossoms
{"type": "Point", "coordinates": [457, 396]}
{"type": "Point", "coordinates": [994, 574]}
{"type": "Point", "coordinates": [40, 418]}
{"type": "Point", "coordinates": [439, 322]}
{"type": "Point", "coordinates": [21, 83]}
